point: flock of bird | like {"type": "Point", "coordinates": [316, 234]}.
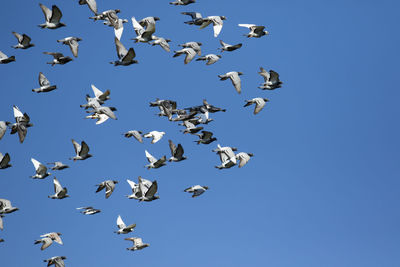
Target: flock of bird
{"type": "Point", "coordinates": [194, 118]}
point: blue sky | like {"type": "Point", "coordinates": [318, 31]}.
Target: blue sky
{"type": "Point", "coordinates": [321, 190]}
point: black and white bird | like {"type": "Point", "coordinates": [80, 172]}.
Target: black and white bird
{"type": "Point", "coordinates": [59, 191]}
{"type": "Point", "coordinates": [72, 42]}
{"type": "Point", "coordinates": [147, 190]}
{"type": "Point", "coordinates": [195, 45]}
{"type": "Point", "coordinates": [24, 41]}
{"type": "Point", "coordinates": [58, 58]}
{"type": "Point", "coordinates": [182, 2]}
{"type": "Point", "coordinates": [104, 15]}
{"type": "Point", "coordinates": [45, 85]}
{"type": "Point", "coordinates": [197, 190]}
{"type": "Point", "coordinates": [271, 79]}
{"type": "Point", "coordinates": [5, 161]}
{"type": "Point", "coordinates": [191, 128]}
{"type": "Point", "coordinates": [144, 35]}
{"type": "Point", "coordinates": [45, 241]}
{"type": "Point", "coordinates": [197, 19]}
{"type": "Point", "coordinates": [176, 152]}
{"type": "Point", "coordinates": [243, 158]}
{"type": "Point", "coordinates": [52, 17]}
{"type": "Point", "coordinates": [123, 229]}
{"type": "Point", "coordinates": [4, 59]}
{"type": "Point", "coordinates": [137, 243]}
{"type": "Point", "coordinates": [190, 54]}
{"type": "Point", "coordinates": [259, 102]}
{"type": "Point", "coordinates": [205, 137]}
{"type": "Point", "coordinates": [161, 42]}
{"type": "Point", "coordinates": [81, 150]}
{"type": "Point", "coordinates": [136, 134]}
{"type": "Point", "coordinates": [227, 157]}
{"type": "Point", "coordinates": [57, 261]}
{"type": "Point", "coordinates": [154, 163]}
{"type": "Point", "coordinates": [126, 57]}
{"type": "Point", "coordinates": [155, 135]}
{"type": "Point", "coordinates": [228, 47]}
{"type": "Point", "coordinates": [58, 166]}
{"type": "Point", "coordinates": [255, 31]}
{"type": "Point", "coordinates": [91, 4]}
{"type": "Point", "coordinates": [210, 58]}
{"type": "Point", "coordinates": [235, 79]}
{"type": "Point", "coordinates": [55, 236]}
{"type": "Point", "coordinates": [88, 210]}
{"type": "Point", "coordinates": [21, 125]}
{"type": "Point", "coordinates": [1, 222]}
{"type": "Point", "coordinates": [109, 185]}
{"type": "Point", "coordinates": [40, 169]}
{"type": "Point", "coordinates": [217, 22]}
{"type": "Point", "coordinates": [3, 128]}
{"type": "Point", "coordinates": [6, 207]}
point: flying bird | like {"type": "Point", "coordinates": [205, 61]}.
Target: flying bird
{"type": "Point", "coordinates": [259, 102]}
{"type": "Point", "coordinates": [88, 210]}
{"type": "Point", "coordinates": [6, 207]}
{"type": "Point", "coordinates": [182, 2]}
{"type": "Point", "coordinates": [52, 17]}
{"type": "Point", "coordinates": [190, 54]}
{"type": "Point", "coordinates": [243, 158]}
{"type": "Point", "coordinates": [162, 42]}
{"type": "Point", "coordinates": [40, 169]}
{"type": "Point", "coordinates": [228, 47]}
{"type": "Point", "coordinates": [4, 59]}
{"type": "Point", "coordinates": [144, 35]}
{"type": "Point", "coordinates": [147, 190]}
{"type": "Point", "coordinates": [271, 79]}
{"type": "Point", "coordinates": [235, 79]}
{"type": "Point", "coordinates": [59, 191]}
{"type": "Point", "coordinates": [21, 125]}
{"type": "Point", "coordinates": [210, 58]}
{"type": "Point", "coordinates": [205, 138]}
{"type": "Point", "coordinates": [82, 151]}
{"type": "Point", "coordinates": [57, 261]}
{"type": "Point", "coordinates": [176, 152]}
{"type": "Point", "coordinates": [217, 22]}
{"type": "Point", "coordinates": [45, 241]}
{"type": "Point", "coordinates": [123, 229]}
{"type": "Point", "coordinates": [91, 4]}
{"type": "Point", "coordinates": [227, 157]}
{"type": "Point", "coordinates": [255, 31]}
{"type": "Point", "coordinates": [3, 128]}
{"type": "Point", "coordinates": [24, 41]}
{"type": "Point", "coordinates": [58, 165]}
{"type": "Point", "coordinates": [104, 15]}
{"type": "Point", "coordinates": [73, 44]}
{"type": "Point", "coordinates": [197, 19]}
{"type": "Point", "coordinates": [126, 57]}
{"type": "Point", "coordinates": [58, 58]}
{"type": "Point", "coordinates": [197, 190]}
{"type": "Point", "coordinates": [44, 85]}
{"type": "Point", "coordinates": [109, 185]}
{"type": "Point", "coordinates": [4, 161]}
{"type": "Point", "coordinates": [154, 163]}
{"type": "Point", "coordinates": [195, 45]}
{"type": "Point", "coordinates": [156, 135]}
{"type": "Point", "coordinates": [137, 243]}
{"type": "Point", "coordinates": [100, 96]}
{"type": "Point", "coordinates": [191, 128]}
{"type": "Point", "coordinates": [136, 134]}
{"type": "Point", "coordinates": [54, 236]}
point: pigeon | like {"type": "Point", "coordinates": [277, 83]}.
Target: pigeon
{"type": "Point", "coordinates": [109, 185]}
{"type": "Point", "coordinates": [195, 45]}
{"type": "Point", "coordinates": [145, 22]}
{"type": "Point", "coordinates": [183, 115]}
{"type": "Point", "coordinates": [88, 210]}
{"type": "Point", "coordinates": [1, 222]}
{"type": "Point", "coordinates": [260, 103]}
{"type": "Point", "coordinates": [4, 161]}
{"type": "Point", "coordinates": [162, 42]}
{"type": "Point", "coordinates": [136, 194]}
{"type": "Point", "coordinates": [156, 135]}
{"type": "Point", "coordinates": [228, 47]}
{"type": "Point", "coordinates": [54, 237]}
{"type": "Point", "coordinates": [182, 2]}
{"type": "Point", "coordinates": [271, 79]}
{"type": "Point", "coordinates": [58, 165]}
{"type": "Point", "coordinates": [52, 17]}
{"type": "Point", "coordinates": [4, 59]}
{"type": "Point", "coordinates": [147, 190]}
{"type": "Point", "coordinates": [123, 229]}
{"type": "Point", "coordinates": [234, 76]}
{"type": "Point", "coordinates": [197, 19]}
{"type": "Point", "coordinates": [126, 57]}
{"type": "Point", "coordinates": [21, 125]}
{"type": "Point", "coordinates": [205, 138]}
{"type": "Point", "coordinates": [191, 128]}
{"type": "Point", "coordinates": [59, 191]}
{"type": "Point", "coordinates": [24, 41]}
{"type": "Point", "coordinates": [211, 58]}
{"type": "Point", "coordinates": [202, 118]}
{"type": "Point", "coordinates": [6, 207]}
{"type": "Point", "coordinates": [137, 241]}
{"type": "Point", "coordinates": [176, 152]}
{"type": "Point", "coordinates": [210, 108]}
{"type": "Point", "coordinates": [243, 158]}
{"type": "Point", "coordinates": [217, 22]}
{"type": "Point", "coordinates": [44, 85]}
{"type": "Point", "coordinates": [99, 95]}
{"type": "Point", "coordinates": [154, 163]}
{"type": "Point", "coordinates": [82, 151]}
{"type": "Point", "coordinates": [108, 111]}
{"type": "Point", "coordinates": [59, 58]}
{"type": "Point", "coordinates": [197, 190]}
{"type": "Point", "coordinates": [3, 128]}
{"type": "Point", "coordinates": [190, 54]}
{"type": "Point", "coordinates": [46, 242]}
{"type": "Point", "coordinates": [143, 35]}
{"type": "Point", "coordinates": [255, 31]}
{"type": "Point", "coordinates": [118, 25]}
{"type": "Point", "coordinates": [91, 4]}
{"type": "Point", "coordinates": [72, 42]}
{"type": "Point", "coordinates": [227, 157]}
{"type": "Point", "coordinates": [57, 261]}
{"type": "Point", "coordinates": [105, 14]}
{"type": "Point", "coordinates": [41, 170]}
{"type": "Point", "coordinates": [99, 117]}
{"type": "Point", "coordinates": [136, 134]}
{"type": "Point", "coordinates": [166, 107]}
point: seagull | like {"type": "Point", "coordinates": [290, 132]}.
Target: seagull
{"type": "Point", "coordinates": [260, 103]}
{"type": "Point", "coordinates": [47, 241]}
{"type": "Point", "coordinates": [72, 42]}
{"type": "Point", "coordinates": [182, 2]}
{"type": "Point", "coordinates": [4, 161]}
{"type": "Point", "coordinates": [234, 76]}
{"type": "Point", "coordinates": [126, 57]}
{"type": "Point", "coordinates": [162, 42]}
{"type": "Point", "coordinates": [123, 229]}
{"type": "Point", "coordinates": [271, 79]}
{"type": "Point", "coordinates": [41, 170]}
{"type": "Point", "coordinates": [217, 22]}
{"type": "Point", "coordinates": [195, 45]}
{"type": "Point", "coordinates": [205, 138]}
{"type": "Point", "coordinates": [44, 85]}
{"type": "Point", "coordinates": [109, 185]}
{"type": "Point", "coordinates": [52, 17]}
{"type": "Point", "coordinates": [58, 261]}
{"type": "Point", "coordinates": [3, 128]}
{"type": "Point", "coordinates": [147, 190]}
{"type": "Point", "coordinates": [82, 151]}
{"type": "Point", "coordinates": [88, 210]}
{"type": "Point", "coordinates": [91, 4]}
{"type": "Point", "coordinates": [58, 165]}
{"type": "Point", "coordinates": [243, 158]}
{"type": "Point", "coordinates": [197, 19]}
{"type": "Point", "coordinates": [197, 190]}
{"type": "Point", "coordinates": [156, 135]}
{"type": "Point", "coordinates": [191, 128]}
{"type": "Point", "coordinates": [136, 134]}
{"type": "Point", "coordinates": [143, 35]}
{"type": "Point", "coordinates": [255, 31]}
{"type": "Point", "coordinates": [6, 207]}
{"type": "Point", "coordinates": [54, 237]}
{"type": "Point", "coordinates": [190, 54]}
{"type": "Point", "coordinates": [21, 125]}
{"type": "Point", "coordinates": [4, 59]}
{"type": "Point", "coordinates": [228, 47]}
{"type": "Point", "coordinates": [176, 152]}
{"type": "Point", "coordinates": [24, 41]}
{"type": "Point", "coordinates": [137, 241]}
{"type": "Point", "coordinates": [59, 191]}
{"type": "Point", "coordinates": [211, 58]}
{"type": "Point", "coordinates": [59, 58]}
{"type": "Point", "coordinates": [154, 163]}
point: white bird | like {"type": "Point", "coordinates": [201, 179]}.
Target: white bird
{"type": "Point", "coordinates": [59, 191]}
{"type": "Point", "coordinates": [21, 125]}
{"type": "Point", "coordinates": [147, 190]}
{"type": "Point", "coordinates": [234, 76]}
{"type": "Point", "coordinates": [44, 85]}
{"type": "Point", "coordinates": [109, 185]}
{"type": "Point", "coordinates": [137, 243]}
{"type": "Point", "coordinates": [195, 45]}
{"type": "Point", "coordinates": [99, 117]}
{"type": "Point", "coordinates": [227, 156]}
{"type": "Point", "coordinates": [143, 35]}
{"type": "Point", "coordinates": [3, 128]}
{"type": "Point", "coordinates": [255, 31]}
{"type": "Point", "coordinates": [197, 190]}
{"type": "Point", "coordinates": [52, 17]}
{"type": "Point", "coordinates": [162, 42]}
{"type": "Point", "coordinates": [156, 135]}
{"type": "Point", "coordinates": [6, 207]}
{"type": "Point", "coordinates": [123, 229]}
{"type": "Point", "coordinates": [228, 47]}
{"type": "Point", "coordinates": [99, 95]}
{"type": "Point", "coordinates": [176, 152]}
{"type": "Point", "coordinates": [82, 151]}
{"type": "Point", "coordinates": [154, 163]}
{"type": "Point", "coordinates": [126, 57]}
{"type": "Point", "coordinates": [88, 210]}
{"type": "Point", "coordinates": [271, 79]}
{"type": "Point", "coordinates": [259, 102]}
{"type": "Point", "coordinates": [54, 236]}
{"type": "Point", "coordinates": [58, 261]}
{"type": "Point", "coordinates": [24, 41]}
{"type": "Point", "coordinates": [182, 2]}
{"type": "Point", "coordinates": [46, 242]}
{"type": "Point", "coordinates": [196, 18]}
{"type": "Point", "coordinates": [190, 54]}
{"type": "Point", "coordinates": [40, 169]}
{"type": "Point", "coordinates": [58, 165]}
{"type": "Point", "coordinates": [4, 161]}
{"type": "Point", "coordinates": [58, 58]}
{"type": "Point", "coordinates": [211, 58]}
{"type": "Point", "coordinates": [136, 134]}
{"type": "Point", "coordinates": [73, 44]}
{"type": "Point", "coordinates": [136, 194]}
{"type": "Point", "coordinates": [4, 59]}
{"type": "Point", "coordinates": [243, 157]}
{"type": "Point", "coordinates": [91, 4]}
{"type": "Point", "coordinates": [217, 22]}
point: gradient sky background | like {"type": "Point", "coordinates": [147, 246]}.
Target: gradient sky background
{"type": "Point", "coordinates": [321, 190]}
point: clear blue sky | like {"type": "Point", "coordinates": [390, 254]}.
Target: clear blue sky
{"type": "Point", "coordinates": [321, 190]}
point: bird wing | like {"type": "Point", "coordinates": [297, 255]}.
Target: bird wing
{"type": "Point", "coordinates": [218, 23]}
{"type": "Point", "coordinates": [57, 185]}
{"type": "Point", "coordinates": [43, 81]}
{"type": "Point", "coordinates": [205, 23]}
{"type": "Point", "coordinates": [194, 15]}
{"type": "Point", "coordinates": [17, 112]}
{"type": "Point", "coordinates": [149, 157]}
{"type": "Point", "coordinates": [133, 185]}
{"type": "Point", "coordinates": [22, 131]}
{"type": "Point", "coordinates": [172, 147]}
{"type": "Point", "coordinates": [46, 243]}
{"type": "Point", "coordinates": [246, 25]}
{"type": "Point", "coordinates": [121, 50]}
{"type": "Point", "coordinates": [77, 146]}
{"type": "Point", "coordinates": [46, 11]}
{"type": "Point", "coordinates": [190, 54]}
{"type": "Point", "coordinates": [58, 262]}
{"type": "Point", "coordinates": [198, 192]}
{"type": "Point", "coordinates": [152, 190]}
{"type": "Point", "coordinates": [179, 151]}
{"type": "Point", "coordinates": [206, 135]}
{"type": "Point", "coordinates": [56, 15]}
{"type": "Point", "coordinates": [109, 188]}
{"type": "Point", "coordinates": [3, 56]}
{"type": "Point", "coordinates": [119, 29]}
{"type": "Point", "coordinates": [100, 187]}
{"type": "Point", "coordinates": [25, 40]}
{"type": "Point", "coordinates": [265, 74]}
{"type": "Point", "coordinates": [244, 158]}
{"type": "Point", "coordinates": [151, 28]}
{"type": "Point", "coordinates": [3, 129]}
{"type": "Point", "coordinates": [92, 5]}
{"type": "Point", "coordinates": [102, 118]}
{"type": "Point", "coordinates": [130, 55]}
{"type": "Point", "coordinates": [260, 103]}
{"type": "Point", "coordinates": [274, 77]}
{"type": "Point", "coordinates": [138, 241]}
{"type": "Point", "coordinates": [36, 163]}
{"type": "Point", "coordinates": [258, 29]}
{"type": "Point", "coordinates": [236, 82]}
{"type": "Point", "coordinates": [55, 55]}
{"type": "Point", "coordinates": [84, 149]}
{"type": "Point", "coordinates": [137, 27]}
{"type": "Point", "coordinates": [18, 36]}
{"type": "Point", "coordinates": [107, 111]}
{"type": "Point", "coordinates": [96, 91]}
{"type": "Point", "coordinates": [138, 136]}
{"type": "Point", "coordinates": [164, 44]}
{"type": "Point", "coordinates": [73, 45]}
{"type": "Point", "coordinates": [1, 223]}
{"type": "Point", "coordinates": [120, 222]}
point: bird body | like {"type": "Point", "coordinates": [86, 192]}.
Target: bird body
{"type": "Point", "coordinates": [235, 79]}
{"type": "Point", "coordinates": [197, 190]}
{"type": "Point", "coordinates": [109, 185]}
{"type": "Point", "coordinates": [182, 2]}
{"type": "Point", "coordinates": [205, 138]}
{"type": "Point", "coordinates": [52, 17]}
{"type": "Point", "coordinates": [176, 152]}
{"type": "Point", "coordinates": [88, 210]}
{"type": "Point", "coordinates": [190, 54]}
{"type": "Point", "coordinates": [40, 169]}
{"type": "Point", "coordinates": [57, 261]}
{"type": "Point", "coordinates": [259, 102]}
{"type": "Point", "coordinates": [217, 22]}
{"type": "Point", "coordinates": [24, 41]}
{"type": "Point", "coordinates": [137, 243]}
{"type": "Point", "coordinates": [6, 207]}
{"type": "Point", "coordinates": [44, 85]}
{"type": "Point", "coordinates": [228, 47]}
{"type": "Point", "coordinates": [136, 134]}
{"type": "Point", "coordinates": [154, 163]}
{"type": "Point", "coordinates": [73, 44]}
{"type": "Point", "coordinates": [81, 150]}
{"type": "Point", "coordinates": [271, 79]}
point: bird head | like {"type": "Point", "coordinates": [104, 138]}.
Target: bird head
{"type": "Point", "coordinates": [240, 73]}
{"type": "Point", "coordinates": [223, 17]}
{"type": "Point", "coordinates": [266, 99]}
{"type": "Point", "coordinates": [156, 18]}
